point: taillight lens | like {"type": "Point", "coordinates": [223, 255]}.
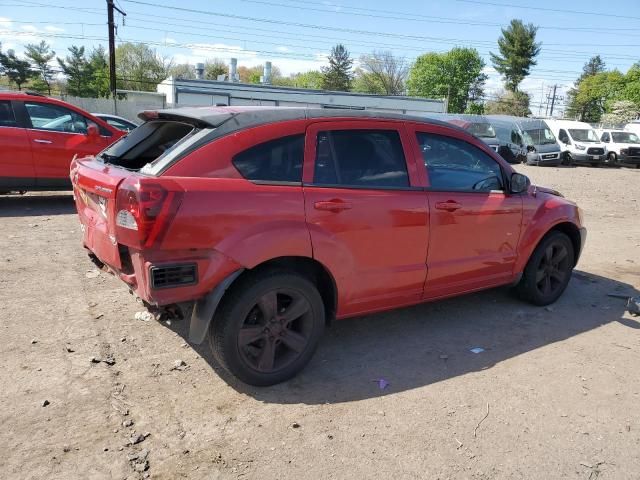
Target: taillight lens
{"type": "Point", "coordinates": [144, 211]}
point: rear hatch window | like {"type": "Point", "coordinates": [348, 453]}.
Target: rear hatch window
{"type": "Point", "coordinates": [150, 143]}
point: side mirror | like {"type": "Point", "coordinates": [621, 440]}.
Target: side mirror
{"type": "Point", "coordinates": [519, 183]}
{"type": "Point", "coordinates": [93, 131]}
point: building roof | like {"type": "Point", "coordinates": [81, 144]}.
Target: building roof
{"type": "Point", "coordinates": [236, 118]}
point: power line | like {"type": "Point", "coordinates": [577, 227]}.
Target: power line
{"type": "Point", "coordinates": [545, 9]}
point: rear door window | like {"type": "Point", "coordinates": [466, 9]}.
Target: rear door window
{"type": "Point", "coordinates": [360, 158]}
{"type": "Point", "coordinates": [455, 165]}
{"type": "Point", "coordinates": [7, 117]}
{"type": "Point", "coordinates": [274, 161]}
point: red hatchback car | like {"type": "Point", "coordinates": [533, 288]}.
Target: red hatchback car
{"type": "Point", "coordinates": [271, 222]}
{"type": "Point", "coordinates": [38, 138]}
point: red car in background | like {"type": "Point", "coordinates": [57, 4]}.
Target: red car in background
{"type": "Point", "coordinates": [39, 136]}
{"type": "Point", "coordinates": [271, 222]}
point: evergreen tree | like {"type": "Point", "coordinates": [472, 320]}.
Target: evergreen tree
{"type": "Point", "coordinates": [518, 50]}
{"type": "Point", "coordinates": [17, 71]}
{"type": "Point", "coordinates": [337, 76]}
{"type": "Point", "coordinates": [79, 72]}
{"type": "Point", "coordinates": [40, 56]}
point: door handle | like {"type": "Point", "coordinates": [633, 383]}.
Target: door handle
{"type": "Point", "coordinates": [333, 206]}
{"type": "Point", "coordinates": [449, 206]}
{"type": "Point", "coordinates": [40, 140]}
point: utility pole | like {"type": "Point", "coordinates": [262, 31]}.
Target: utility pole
{"type": "Point", "coordinates": [112, 51]}
{"type": "Point", "coordinates": [553, 99]}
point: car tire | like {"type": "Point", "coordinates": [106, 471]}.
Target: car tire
{"type": "Point", "coordinates": [612, 157]}
{"type": "Point", "coordinates": [548, 270]}
{"type": "Point", "coordinates": [268, 327]}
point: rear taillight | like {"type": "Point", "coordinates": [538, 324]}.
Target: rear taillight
{"type": "Point", "coordinates": [144, 210]}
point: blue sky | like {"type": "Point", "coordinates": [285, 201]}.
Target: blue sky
{"type": "Point", "coordinates": [296, 35]}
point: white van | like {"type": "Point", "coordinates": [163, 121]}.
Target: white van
{"type": "Point", "coordinates": [579, 142]}
{"type": "Point", "coordinates": [633, 127]}
{"type": "Point", "coordinates": [622, 147]}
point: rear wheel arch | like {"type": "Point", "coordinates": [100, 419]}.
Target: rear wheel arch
{"type": "Point", "coordinates": [307, 267]}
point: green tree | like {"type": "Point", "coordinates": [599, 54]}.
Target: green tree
{"type": "Point", "coordinates": [18, 71]}
{"type": "Point", "coordinates": [631, 89]}
{"type": "Point", "coordinates": [338, 76]}
{"type": "Point", "coordinates": [40, 56]}
{"type": "Point", "coordinates": [312, 79]}
{"type": "Point", "coordinates": [215, 67]}
{"type": "Point", "coordinates": [596, 92]}
{"type": "Point", "coordinates": [518, 50]}
{"type": "Point", "coordinates": [139, 67]}
{"type": "Point", "coordinates": [185, 71]}
{"type": "Point", "coordinates": [99, 85]}
{"type": "Point", "coordinates": [78, 72]}
{"type": "Point", "coordinates": [590, 109]}
{"type": "Point", "coordinates": [509, 103]}
{"type": "Point", "coordinates": [381, 73]}
{"type": "Point", "coordinates": [456, 74]}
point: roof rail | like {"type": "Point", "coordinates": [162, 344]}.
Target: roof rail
{"type": "Point", "coordinates": [35, 94]}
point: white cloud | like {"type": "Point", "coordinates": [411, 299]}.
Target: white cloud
{"type": "Point", "coordinates": [29, 28]}
{"type": "Point", "coordinates": [283, 49]}
{"type": "Point", "coordinates": [53, 29]}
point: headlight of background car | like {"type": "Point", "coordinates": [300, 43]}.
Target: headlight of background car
{"type": "Point", "coordinates": [624, 151]}
{"type": "Point", "coordinates": [580, 147]}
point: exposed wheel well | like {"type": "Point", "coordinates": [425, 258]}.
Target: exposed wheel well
{"type": "Point", "coordinates": [570, 230]}
{"type": "Point", "coordinates": [309, 268]}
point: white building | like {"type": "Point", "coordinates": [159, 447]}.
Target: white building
{"type": "Point", "coordinates": [210, 92]}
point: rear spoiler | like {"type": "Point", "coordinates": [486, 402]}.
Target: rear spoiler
{"type": "Point", "coordinates": [211, 121]}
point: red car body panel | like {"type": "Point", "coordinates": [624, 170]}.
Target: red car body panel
{"type": "Point", "coordinates": [33, 157]}
{"type": "Point", "coordinates": [383, 248]}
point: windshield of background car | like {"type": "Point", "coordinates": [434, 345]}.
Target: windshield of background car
{"type": "Point", "coordinates": [539, 136]}
{"type": "Point", "coordinates": [624, 137]}
{"type": "Point", "coordinates": [583, 135]}
{"type": "Point", "coordinates": [482, 130]}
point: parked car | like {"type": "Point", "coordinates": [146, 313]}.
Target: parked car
{"type": "Point", "coordinates": [273, 222]}
{"type": "Point", "coordinates": [38, 138]}
{"type": "Point", "coordinates": [579, 142]}
{"type": "Point", "coordinates": [529, 140]}
{"type": "Point", "coordinates": [116, 121]}
{"type": "Point", "coordinates": [622, 147]}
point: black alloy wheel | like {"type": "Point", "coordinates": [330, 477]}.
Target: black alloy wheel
{"type": "Point", "coordinates": [548, 270]}
{"type": "Point", "coordinates": [267, 327]}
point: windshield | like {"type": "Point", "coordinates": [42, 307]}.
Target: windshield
{"type": "Point", "coordinates": [624, 137]}
{"type": "Point", "coordinates": [583, 135]}
{"type": "Point", "coordinates": [539, 136]}
{"type": "Point", "coordinates": [482, 130]}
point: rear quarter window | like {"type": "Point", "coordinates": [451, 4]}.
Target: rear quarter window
{"type": "Point", "coordinates": [274, 161]}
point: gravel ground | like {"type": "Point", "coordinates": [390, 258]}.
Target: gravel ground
{"type": "Point", "coordinates": [554, 394]}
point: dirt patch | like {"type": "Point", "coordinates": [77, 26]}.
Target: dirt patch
{"type": "Point", "coordinates": [552, 394]}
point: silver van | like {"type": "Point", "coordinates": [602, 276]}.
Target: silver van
{"type": "Point", "coordinates": [529, 140]}
{"type": "Point", "coordinates": [477, 125]}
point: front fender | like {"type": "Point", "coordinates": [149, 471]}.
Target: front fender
{"type": "Point", "coordinates": [538, 219]}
